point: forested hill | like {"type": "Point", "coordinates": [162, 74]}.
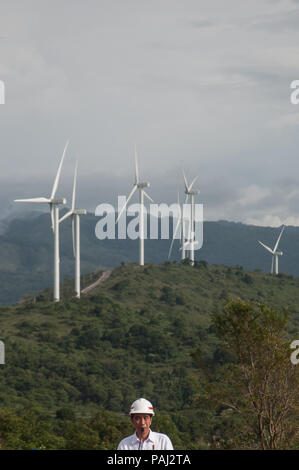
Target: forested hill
{"type": "Point", "coordinates": [135, 335]}
{"type": "Point", "coordinates": [26, 251]}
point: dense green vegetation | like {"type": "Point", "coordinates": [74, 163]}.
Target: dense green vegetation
{"type": "Point", "coordinates": [79, 364]}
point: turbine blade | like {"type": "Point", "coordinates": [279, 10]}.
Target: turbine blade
{"type": "Point", "coordinates": [52, 216]}
{"type": "Point", "coordinates": [35, 199]}
{"type": "Point", "coordinates": [74, 186]}
{"type": "Point", "coordinates": [267, 248]}
{"type": "Point", "coordinates": [193, 182]}
{"type": "Point", "coordinates": [187, 219]}
{"type": "Point", "coordinates": [185, 181]}
{"type": "Point", "coordinates": [56, 181]}
{"type": "Point", "coordinates": [123, 208]}
{"type": "Point", "coordinates": [136, 166]}
{"type": "Point", "coordinates": [146, 195]}
{"type": "Point", "coordinates": [276, 245]}
{"type": "Point", "coordinates": [73, 236]}
{"type": "Point", "coordinates": [182, 220]}
{"type": "Point", "coordinates": [177, 226]}
{"type": "Point", "coordinates": [190, 228]}
{"type": "Point", "coordinates": [173, 238]}
{"type": "Point", "coordinates": [272, 264]}
{"type": "Point", "coordinates": [170, 249]}
{"type": "Point", "coordinates": [65, 216]}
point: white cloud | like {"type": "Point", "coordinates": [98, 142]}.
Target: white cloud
{"type": "Point", "coordinates": [253, 194]}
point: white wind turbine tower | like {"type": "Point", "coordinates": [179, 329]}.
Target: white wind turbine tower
{"type": "Point", "coordinates": [54, 209]}
{"type": "Point", "coordinates": [138, 185]}
{"type": "Point", "coordinates": [191, 193]}
{"type": "Point", "coordinates": [274, 252]}
{"type": "Point", "coordinates": [75, 215]}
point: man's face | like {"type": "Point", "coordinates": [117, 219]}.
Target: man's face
{"type": "Point", "coordinates": [139, 421]}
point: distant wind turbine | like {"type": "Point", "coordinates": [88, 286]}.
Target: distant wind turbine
{"type": "Point", "coordinates": [274, 252]}
{"type": "Point", "coordinates": [75, 215]}
{"type": "Point", "coordinates": [54, 209]}
{"type": "Point", "coordinates": [142, 193]}
{"type": "Point", "coordinates": [191, 193]}
{"type": "Point", "coordinates": [180, 223]}
{"type": "Point", "coordinates": [190, 242]}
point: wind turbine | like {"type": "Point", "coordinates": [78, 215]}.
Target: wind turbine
{"type": "Point", "coordinates": [54, 209]}
{"type": "Point", "coordinates": [75, 215]}
{"type": "Point", "coordinates": [191, 193]}
{"type": "Point", "coordinates": [138, 185]}
{"type": "Point", "coordinates": [181, 223]}
{"type": "Point", "coordinates": [190, 241]}
{"type": "Point", "coordinates": [274, 252]}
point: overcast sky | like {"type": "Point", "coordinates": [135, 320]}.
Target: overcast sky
{"type": "Point", "coordinates": [203, 85]}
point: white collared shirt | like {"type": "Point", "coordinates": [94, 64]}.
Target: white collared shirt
{"type": "Point", "coordinates": [154, 441]}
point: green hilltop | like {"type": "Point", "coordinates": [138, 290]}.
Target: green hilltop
{"type": "Point", "coordinates": [136, 334]}
{"type": "Point", "coordinates": [26, 251]}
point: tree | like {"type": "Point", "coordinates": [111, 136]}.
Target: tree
{"type": "Point", "coordinates": [262, 383]}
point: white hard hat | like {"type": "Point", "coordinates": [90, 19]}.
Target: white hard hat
{"type": "Point", "coordinates": [142, 406]}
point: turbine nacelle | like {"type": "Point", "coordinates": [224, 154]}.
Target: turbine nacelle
{"type": "Point", "coordinates": [80, 212]}
{"type": "Point", "coordinates": [192, 193]}
{"type": "Point", "coordinates": [188, 188]}
{"type": "Point", "coordinates": [58, 201]}
{"type": "Point", "coordinates": [143, 185]}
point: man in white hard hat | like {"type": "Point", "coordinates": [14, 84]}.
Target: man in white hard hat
{"type": "Point", "coordinates": [141, 413]}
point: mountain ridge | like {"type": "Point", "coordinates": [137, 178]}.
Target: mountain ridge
{"type": "Point", "coordinates": [26, 251]}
